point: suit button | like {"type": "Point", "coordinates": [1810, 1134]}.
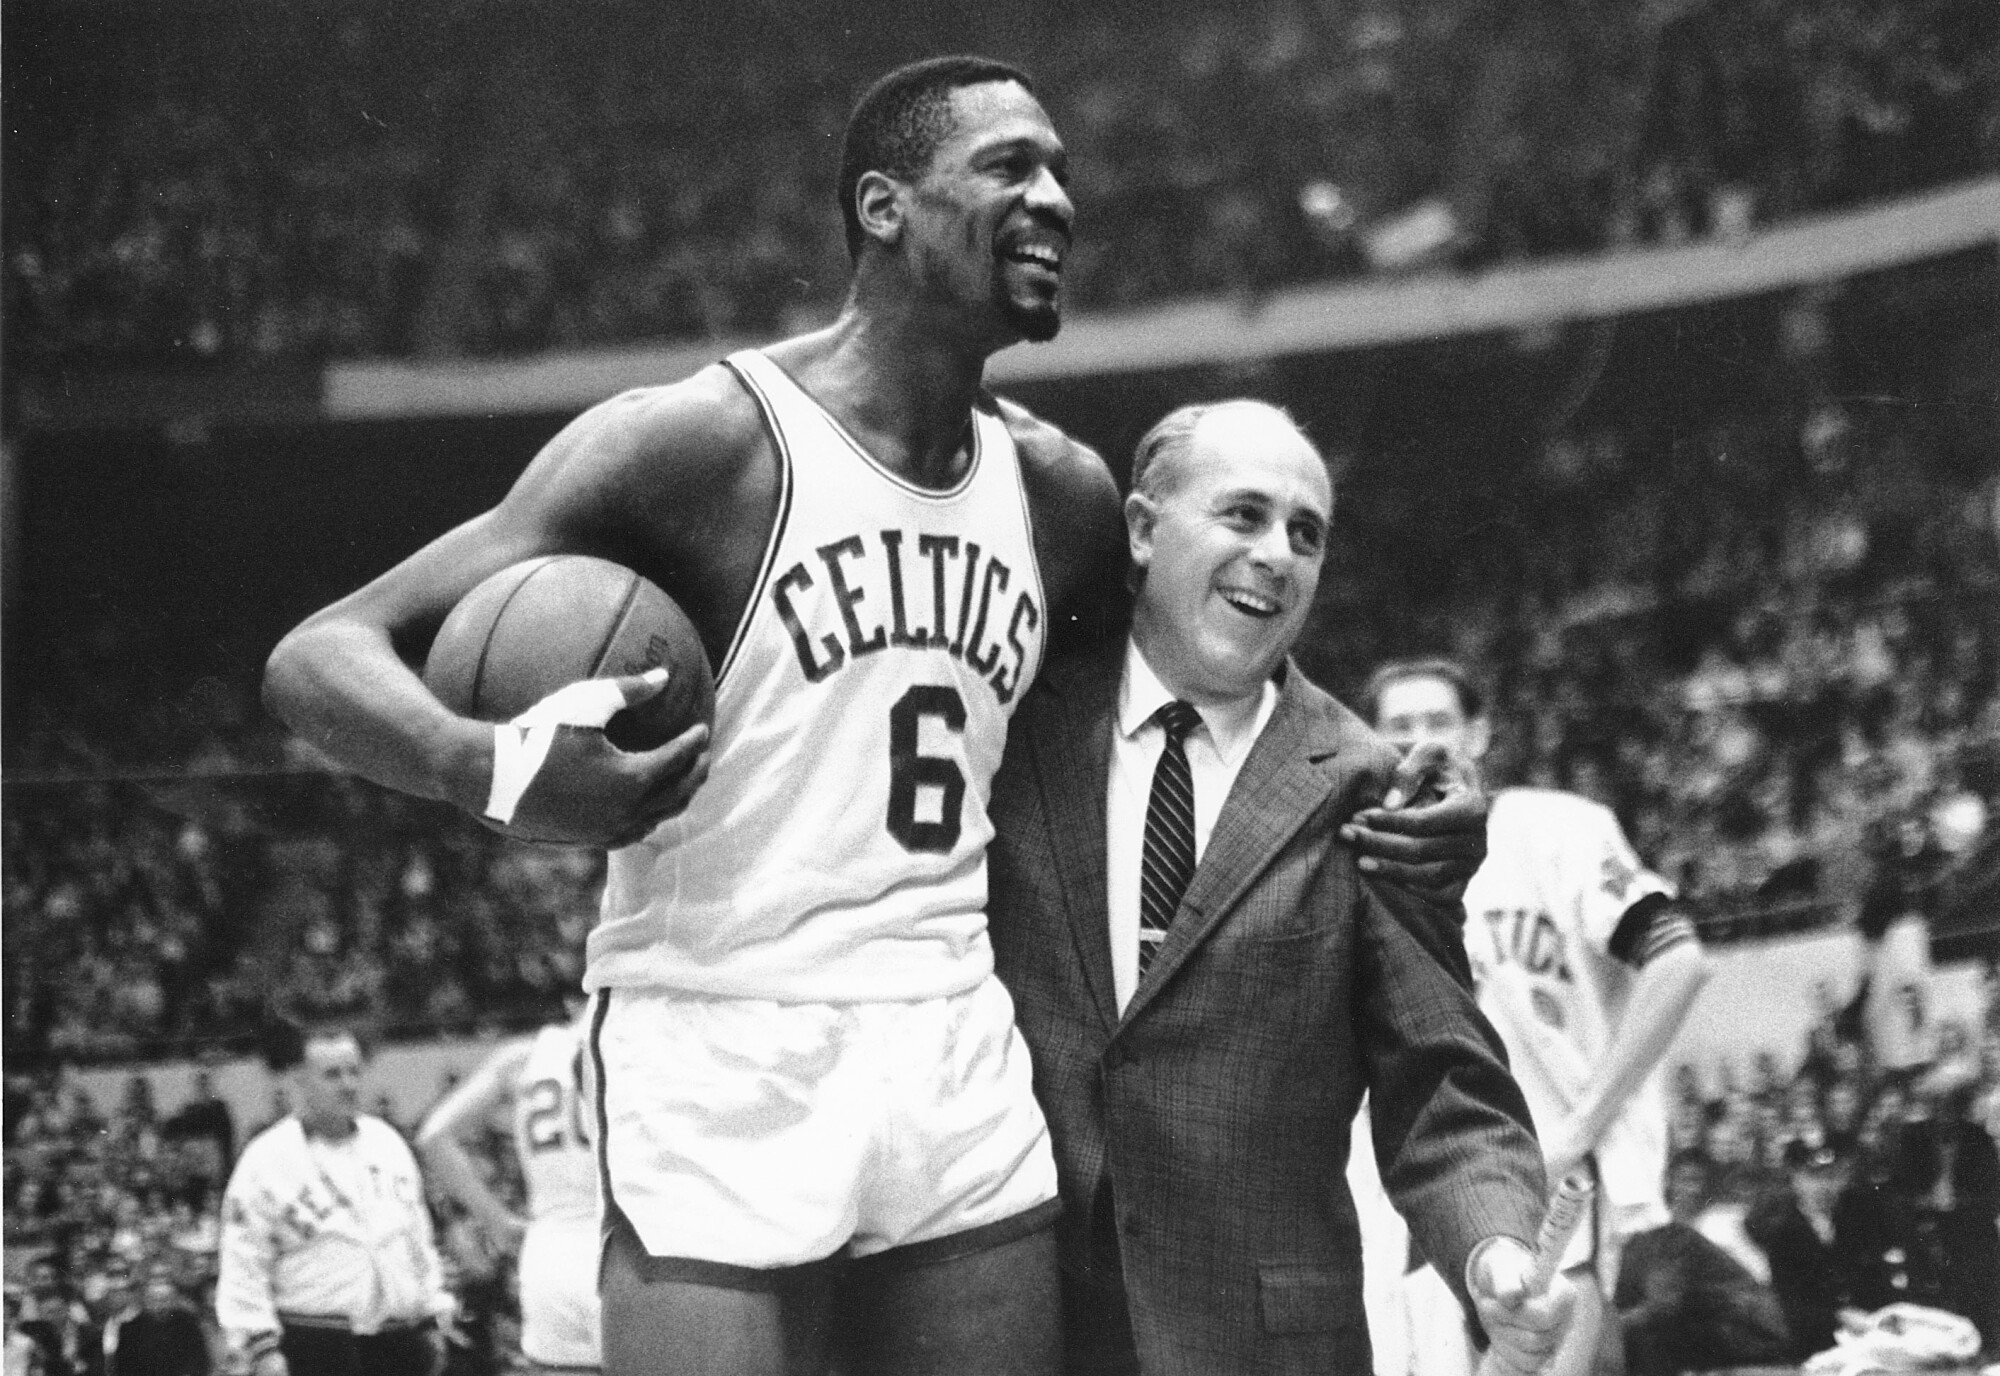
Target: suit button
{"type": "Point", "coordinates": [1117, 1058]}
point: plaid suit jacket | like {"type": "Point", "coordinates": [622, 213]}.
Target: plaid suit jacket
{"type": "Point", "coordinates": [1218, 1106]}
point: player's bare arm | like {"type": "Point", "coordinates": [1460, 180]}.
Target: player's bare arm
{"type": "Point", "coordinates": [439, 1143]}
{"type": "Point", "coordinates": [677, 483]}
{"type": "Point", "coordinates": [1672, 968]}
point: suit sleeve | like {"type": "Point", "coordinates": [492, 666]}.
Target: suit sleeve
{"type": "Point", "coordinates": [1451, 1130]}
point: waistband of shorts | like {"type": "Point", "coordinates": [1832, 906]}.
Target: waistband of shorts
{"type": "Point", "coordinates": [340, 1323]}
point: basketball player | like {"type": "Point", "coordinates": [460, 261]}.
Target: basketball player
{"type": "Point", "coordinates": [1586, 968]}
{"type": "Point", "coordinates": [808, 1075]}
{"type": "Point", "coordinates": [557, 1243]}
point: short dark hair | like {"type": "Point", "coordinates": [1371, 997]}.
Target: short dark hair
{"type": "Point", "coordinates": [899, 122]}
{"type": "Point", "coordinates": [284, 1039]}
{"type": "Point", "coordinates": [1471, 700]}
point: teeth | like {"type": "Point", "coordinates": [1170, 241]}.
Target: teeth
{"type": "Point", "coordinates": [1250, 601]}
{"type": "Point", "coordinates": [1035, 253]}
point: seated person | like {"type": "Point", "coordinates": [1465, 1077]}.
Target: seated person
{"type": "Point", "coordinates": [1684, 1303]}
{"type": "Point", "coordinates": [1834, 1243]}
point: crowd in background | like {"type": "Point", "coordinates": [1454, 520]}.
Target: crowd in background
{"type": "Point", "coordinates": [493, 179]}
{"type": "Point", "coordinates": [112, 1229]}
{"type": "Point", "coordinates": [1851, 1180]}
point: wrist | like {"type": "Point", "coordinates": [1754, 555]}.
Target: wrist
{"type": "Point", "coordinates": [462, 764]}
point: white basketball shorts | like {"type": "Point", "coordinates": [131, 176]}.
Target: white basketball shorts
{"type": "Point", "coordinates": [558, 1278]}
{"type": "Point", "coordinates": [756, 1134]}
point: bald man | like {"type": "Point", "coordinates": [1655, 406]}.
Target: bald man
{"type": "Point", "coordinates": [1208, 981]}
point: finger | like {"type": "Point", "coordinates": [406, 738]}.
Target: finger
{"type": "Point", "coordinates": [1456, 812]}
{"type": "Point", "coordinates": [590, 702]}
{"type": "Point", "coordinates": [675, 758]}
{"type": "Point", "coordinates": [638, 688]}
{"type": "Point", "coordinates": [1412, 850]}
{"type": "Point", "coordinates": [1417, 773]}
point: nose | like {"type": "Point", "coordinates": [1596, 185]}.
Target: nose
{"type": "Point", "coordinates": [1272, 546]}
{"type": "Point", "coordinates": [1047, 196]}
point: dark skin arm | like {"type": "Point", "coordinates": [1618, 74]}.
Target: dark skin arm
{"type": "Point", "coordinates": [676, 482]}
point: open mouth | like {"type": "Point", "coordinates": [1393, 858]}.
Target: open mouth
{"type": "Point", "coordinates": [1251, 603]}
{"type": "Point", "coordinates": [1041, 258]}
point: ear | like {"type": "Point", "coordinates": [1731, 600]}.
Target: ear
{"type": "Point", "coordinates": [1141, 516]}
{"type": "Point", "coordinates": [878, 202]}
{"type": "Point", "coordinates": [1478, 736]}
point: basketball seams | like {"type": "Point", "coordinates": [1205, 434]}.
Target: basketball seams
{"type": "Point", "coordinates": [493, 629]}
{"type": "Point", "coordinates": [617, 627]}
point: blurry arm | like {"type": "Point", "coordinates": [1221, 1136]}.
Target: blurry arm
{"type": "Point", "coordinates": [444, 1156]}
{"type": "Point", "coordinates": [1672, 970]}
{"type": "Point", "coordinates": [245, 1308]}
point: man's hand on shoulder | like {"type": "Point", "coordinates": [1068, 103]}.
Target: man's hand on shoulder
{"type": "Point", "coordinates": [1429, 834]}
{"type": "Point", "coordinates": [1526, 1324]}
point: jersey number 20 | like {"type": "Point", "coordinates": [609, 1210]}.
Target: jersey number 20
{"type": "Point", "coordinates": [908, 770]}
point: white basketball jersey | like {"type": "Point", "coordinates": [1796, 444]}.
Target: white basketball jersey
{"type": "Point", "coordinates": [837, 852]}
{"type": "Point", "coordinates": [558, 1264]}
{"type": "Point", "coordinates": [1540, 914]}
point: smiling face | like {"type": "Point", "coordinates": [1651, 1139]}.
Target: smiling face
{"type": "Point", "coordinates": [988, 222]}
{"type": "Point", "coordinates": [1229, 541]}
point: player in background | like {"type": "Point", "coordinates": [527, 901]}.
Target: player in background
{"type": "Point", "coordinates": [812, 1099]}
{"type": "Point", "coordinates": [1586, 967]}
{"type": "Point", "coordinates": [543, 1077]}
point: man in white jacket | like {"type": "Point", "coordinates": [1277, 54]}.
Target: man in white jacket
{"type": "Point", "coordinates": [328, 1263]}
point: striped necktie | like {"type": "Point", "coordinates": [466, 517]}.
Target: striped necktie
{"type": "Point", "coordinates": [1168, 862]}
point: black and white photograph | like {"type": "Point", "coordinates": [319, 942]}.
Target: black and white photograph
{"type": "Point", "coordinates": [929, 688]}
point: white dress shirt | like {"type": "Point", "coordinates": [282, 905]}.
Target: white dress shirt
{"type": "Point", "coordinates": [1215, 749]}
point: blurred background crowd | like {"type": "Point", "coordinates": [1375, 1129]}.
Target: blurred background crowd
{"type": "Point", "coordinates": [474, 178]}
{"type": "Point", "coordinates": [1732, 570]}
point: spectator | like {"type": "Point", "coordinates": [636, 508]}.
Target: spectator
{"type": "Point", "coordinates": [160, 1336]}
{"type": "Point", "coordinates": [1683, 1302]}
{"type": "Point", "coordinates": [1826, 1245]}
{"type": "Point", "coordinates": [1953, 1176]}
{"type": "Point", "coordinates": [60, 1324]}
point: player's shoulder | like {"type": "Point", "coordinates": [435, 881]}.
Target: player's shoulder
{"type": "Point", "coordinates": [1053, 461]}
{"type": "Point", "coordinates": [705, 419]}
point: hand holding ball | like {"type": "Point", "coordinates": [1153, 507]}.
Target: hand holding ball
{"type": "Point", "coordinates": [536, 628]}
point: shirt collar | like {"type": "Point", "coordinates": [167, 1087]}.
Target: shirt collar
{"type": "Point", "coordinates": [1232, 727]}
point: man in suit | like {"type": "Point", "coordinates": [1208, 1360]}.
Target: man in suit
{"type": "Point", "coordinates": [1207, 980]}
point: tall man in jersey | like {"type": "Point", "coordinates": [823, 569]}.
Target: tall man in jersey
{"type": "Point", "coordinates": [1587, 968]}
{"type": "Point", "coordinates": [809, 1079]}
{"type": "Point", "coordinates": [1207, 980]}
{"type": "Point", "coordinates": [556, 1245]}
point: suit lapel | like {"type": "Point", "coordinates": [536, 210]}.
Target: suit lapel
{"type": "Point", "coordinates": [1284, 779]}
{"type": "Point", "coordinates": [1072, 745]}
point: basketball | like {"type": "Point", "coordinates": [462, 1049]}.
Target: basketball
{"type": "Point", "coordinates": [538, 625]}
